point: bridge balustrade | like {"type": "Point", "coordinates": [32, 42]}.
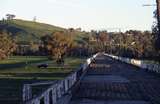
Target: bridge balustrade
{"type": "Point", "coordinates": [140, 63]}
{"type": "Point", "coordinates": [55, 91]}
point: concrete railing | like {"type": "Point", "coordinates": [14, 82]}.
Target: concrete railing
{"type": "Point", "coordinates": [139, 63]}
{"type": "Point", "coordinates": [55, 91]}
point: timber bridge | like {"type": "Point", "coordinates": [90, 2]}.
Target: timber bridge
{"type": "Point", "coordinates": [103, 79]}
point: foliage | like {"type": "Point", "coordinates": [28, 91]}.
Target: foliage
{"type": "Point", "coordinates": [156, 33]}
{"type": "Point", "coordinates": [7, 45]}
{"type": "Point", "coordinates": [59, 44]}
{"type": "Point", "coordinates": [10, 16]}
{"type": "Point", "coordinates": [33, 34]}
{"type": "Point", "coordinates": [131, 43]}
{"type": "Point", "coordinates": [38, 36]}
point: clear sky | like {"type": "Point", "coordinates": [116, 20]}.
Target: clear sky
{"type": "Point", "coordinates": [87, 14]}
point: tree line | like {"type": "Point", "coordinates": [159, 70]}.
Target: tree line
{"type": "Point", "coordinates": [60, 44]}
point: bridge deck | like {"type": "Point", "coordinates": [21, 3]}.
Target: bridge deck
{"type": "Point", "coordinates": [112, 82]}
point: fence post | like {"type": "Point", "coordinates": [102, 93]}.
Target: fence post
{"type": "Point", "coordinates": [37, 101]}
{"type": "Point", "coordinates": [27, 92]}
{"type": "Point", "coordinates": [46, 98]}
{"type": "Point", "coordinates": [66, 84]}
{"type": "Point", "coordinates": [54, 96]}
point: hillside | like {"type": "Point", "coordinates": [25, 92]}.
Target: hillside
{"type": "Point", "coordinates": [26, 31]}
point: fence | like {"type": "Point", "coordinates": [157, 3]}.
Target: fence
{"type": "Point", "coordinates": [57, 90]}
{"type": "Point", "coordinates": [139, 63]}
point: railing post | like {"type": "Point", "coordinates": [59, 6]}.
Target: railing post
{"type": "Point", "coordinates": [66, 84]}
{"type": "Point", "coordinates": [27, 92]}
{"type": "Point", "coordinates": [54, 96]}
{"type": "Point", "coordinates": [69, 82]}
{"type": "Point", "coordinates": [74, 77]}
{"type": "Point", "coordinates": [58, 90]}
{"type": "Point", "coordinates": [37, 101]}
{"type": "Point", "coordinates": [62, 87]}
{"type": "Point", "coordinates": [46, 98]}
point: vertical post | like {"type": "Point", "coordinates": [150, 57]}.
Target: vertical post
{"type": "Point", "coordinates": [75, 77]}
{"type": "Point", "coordinates": [158, 14]}
{"type": "Point", "coordinates": [37, 101]}
{"type": "Point", "coordinates": [66, 84]}
{"type": "Point", "coordinates": [27, 92]}
{"type": "Point", "coordinates": [58, 90]}
{"type": "Point", "coordinates": [62, 89]}
{"type": "Point", "coordinates": [158, 20]}
{"type": "Point", "coordinates": [26, 67]}
{"type": "Point", "coordinates": [54, 96]}
{"type": "Point", "coordinates": [46, 98]}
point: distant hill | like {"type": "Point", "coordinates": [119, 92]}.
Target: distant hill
{"type": "Point", "coordinates": [26, 31]}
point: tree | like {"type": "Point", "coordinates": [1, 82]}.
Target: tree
{"type": "Point", "coordinates": [156, 33]}
{"type": "Point", "coordinates": [103, 40]}
{"type": "Point", "coordinates": [7, 45]}
{"type": "Point", "coordinates": [34, 47]}
{"type": "Point", "coordinates": [10, 16]}
{"type": "Point", "coordinates": [59, 44]}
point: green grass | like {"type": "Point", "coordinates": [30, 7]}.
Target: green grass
{"type": "Point", "coordinates": [20, 59]}
{"type": "Point", "coordinates": [25, 31]}
{"type": "Point", "coordinates": [36, 28]}
{"type": "Point", "coordinates": [17, 70]}
{"type": "Point", "coordinates": [28, 64]}
{"type": "Point", "coordinates": [152, 62]}
{"type": "Point", "coordinates": [14, 73]}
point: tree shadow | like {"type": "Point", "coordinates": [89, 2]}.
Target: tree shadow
{"type": "Point", "coordinates": [19, 65]}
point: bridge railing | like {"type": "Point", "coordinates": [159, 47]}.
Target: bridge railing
{"type": "Point", "coordinates": [139, 63]}
{"type": "Point", "coordinates": [52, 94]}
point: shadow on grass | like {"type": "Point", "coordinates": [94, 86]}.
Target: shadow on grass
{"type": "Point", "coordinates": [19, 65]}
{"type": "Point", "coordinates": [36, 74]}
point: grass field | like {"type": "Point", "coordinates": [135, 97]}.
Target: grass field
{"type": "Point", "coordinates": [18, 70]}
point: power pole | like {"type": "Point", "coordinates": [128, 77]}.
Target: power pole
{"type": "Point", "coordinates": [158, 21]}
{"type": "Point", "coordinates": [158, 16]}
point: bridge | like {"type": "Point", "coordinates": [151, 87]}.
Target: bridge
{"type": "Point", "coordinates": [103, 79]}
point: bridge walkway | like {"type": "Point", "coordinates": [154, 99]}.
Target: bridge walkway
{"type": "Point", "coordinates": [112, 82]}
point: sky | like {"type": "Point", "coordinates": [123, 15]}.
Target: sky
{"type": "Point", "coordinates": [88, 14]}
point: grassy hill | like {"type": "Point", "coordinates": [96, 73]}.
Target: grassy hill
{"type": "Point", "coordinates": [27, 31]}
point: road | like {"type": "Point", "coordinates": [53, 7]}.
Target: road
{"type": "Point", "coordinates": [112, 82]}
